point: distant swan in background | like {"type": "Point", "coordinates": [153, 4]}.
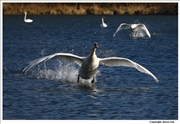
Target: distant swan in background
{"type": "Point", "coordinates": [103, 25]}
{"type": "Point", "coordinates": [134, 28]}
{"type": "Point", "coordinates": [27, 20]}
{"type": "Point", "coordinates": [89, 65]}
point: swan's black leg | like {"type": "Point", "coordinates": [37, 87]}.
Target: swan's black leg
{"type": "Point", "coordinates": [78, 78]}
{"type": "Point", "coordinates": [92, 80]}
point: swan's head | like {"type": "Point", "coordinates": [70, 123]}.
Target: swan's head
{"type": "Point", "coordinates": [95, 45]}
{"type": "Point", "coordinates": [133, 26]}
{"type": "Point", "coordinates": [25, 12]}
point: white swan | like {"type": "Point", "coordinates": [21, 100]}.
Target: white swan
{"type": "Point", "coordinates": [103, 25]}
{"type": "Point", "coordinates": [27, 20]}
{"type": "Point", "coordinates": [88, 65]}
{"type": "Point", "coordinates": [133, 29]}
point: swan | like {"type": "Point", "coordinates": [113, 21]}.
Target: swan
{"type": "Point", "coordinates": [89, 65]}
{"type": "Point", "coordinates": [27, 20]}
{"type": "Point", "coordinates": [133, 29]}
{"type": "Point", "coordinates": [103, 25]}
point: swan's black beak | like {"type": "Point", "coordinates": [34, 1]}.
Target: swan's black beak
{"type": "Point", "coordinates": [95, 45]}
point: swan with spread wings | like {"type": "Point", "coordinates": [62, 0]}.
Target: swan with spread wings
{"type": "Point", "coordinates": [134, 28]}
{"type": "Point", "coordinates": [89, 65]}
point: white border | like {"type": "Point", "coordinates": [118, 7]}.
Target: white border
{"type": "Point", "coordinates": [77, 121]}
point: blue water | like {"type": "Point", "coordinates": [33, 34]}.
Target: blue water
{"type": "Point", "coordinates": [120, 93]}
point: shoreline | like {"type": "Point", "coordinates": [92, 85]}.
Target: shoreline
{"type": "Point", "coordinates": [90, 8]}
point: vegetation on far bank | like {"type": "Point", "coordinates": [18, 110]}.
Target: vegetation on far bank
{"type": "Point", "coordinates": [90, 8]}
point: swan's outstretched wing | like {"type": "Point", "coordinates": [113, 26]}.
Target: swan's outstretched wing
{"type": "Point", "coordinates": [121, 26]}
{"type": "Point", "coordinates": [142, 26]}
{"type": "Point", "coordinates": [64, 56]}
{"type": "Point", "coordinates": [116, 61]}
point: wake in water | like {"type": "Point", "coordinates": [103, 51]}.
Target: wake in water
{"type": "Point", "coordinates": [66, 73]}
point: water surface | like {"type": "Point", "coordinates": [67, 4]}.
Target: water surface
{"type": "Point", "coordinates": [120, 93]}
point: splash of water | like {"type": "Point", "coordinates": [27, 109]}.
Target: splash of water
{"type": "Point", "coordinates": [66, 73]}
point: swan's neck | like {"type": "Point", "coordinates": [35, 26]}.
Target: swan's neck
{"type": "Point", "coordinates": [102, 20]}
{"type": "Point", "coordinates": [25, 16]}
{"type": "Point", "coordinates": [93, 53]}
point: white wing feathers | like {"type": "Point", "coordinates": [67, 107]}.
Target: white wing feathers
{"type": "Point", "coordinates": [64, 56]}
{"type": "Point", "coordinates": [117, 61]}
{"type": "Point", "coordinates": [125, 26]}
{"type": "Point", "coordinates": [142, 26]}
{"type": "Point", "coordinates": [121, 26]}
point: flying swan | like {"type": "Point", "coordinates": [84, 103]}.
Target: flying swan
{"type": "Point", "coordinates": [133, 29]}
{"type": "Point", "coordinates": [88, 65]}
{"type": "Point", "coordinates": [27, 20]}
{"type": "Point", "coordinates": [103, 25]}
